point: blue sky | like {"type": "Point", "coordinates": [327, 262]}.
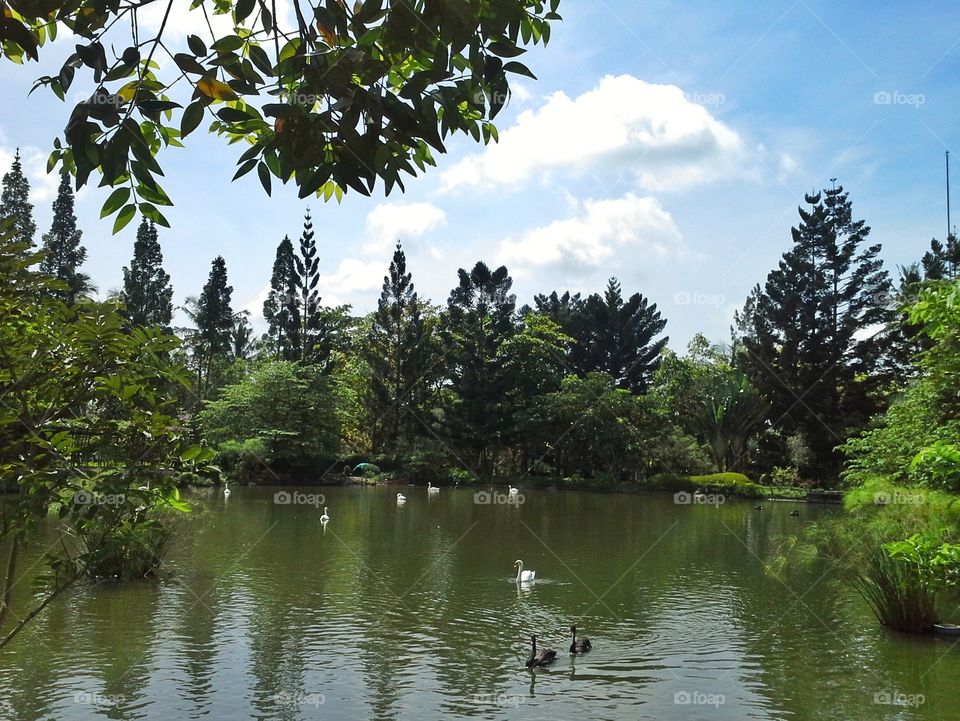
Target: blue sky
{"type": "Point", "coordinates": [666, 143]}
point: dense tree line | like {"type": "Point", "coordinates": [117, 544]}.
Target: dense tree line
{"type": "Point", "coordinates": [571, 385]}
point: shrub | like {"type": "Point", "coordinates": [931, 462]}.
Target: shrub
{"type": "Point", "coordinates": [460, 475]}
{"type": "Point", "coordinates": [670, 482]}
{"type": "Point", "coordinates": [734, 484]}
{"type": "Point", "coordinates": [783, 476]}
{"type": "Point", "coordinates": [242, 460]}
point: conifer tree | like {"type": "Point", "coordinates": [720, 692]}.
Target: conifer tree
{"type": "Point", "coordinates": [398, 352]}
{"type": "Point", "coordinates": [477, 326]}
{"type": "Point", "coordinates": [618, 337]}
{"type": "Point", "coordinates": [280, 307]}
{"type": "Point", "coordinates": [147, 293]}
{"type": "Point", "coordinates": [15, 201]}
{"type": "Point", "coordinates": [214, 322]}
{"type": "Point", "coordinates": [810, 337]}
{"type": "Point", "coordinates": [312, 333]}
{"type": "Point", "coordinates": [64, 253]}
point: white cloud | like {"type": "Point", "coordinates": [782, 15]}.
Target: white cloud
{"type": "Point", "coordinates": [389, 222]}
{"type": "Point", "coordinates": [602, 233]}
{"type": "Point", "coordinates": [43, 185]}
{"type": "Point", "coordinates": [352, 281]}
{"type": "Point", "coordinates": [647, 129]}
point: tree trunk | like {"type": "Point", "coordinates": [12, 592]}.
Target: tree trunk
{"type": "Point", "coordinates": [8, 578]}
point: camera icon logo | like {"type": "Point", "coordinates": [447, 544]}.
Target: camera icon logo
{"type": "Point", "coordinates": [282, 498]}
{"type": "Point", "coordinates": [482, 498]}
{"type": "Point", "coordinates": [682, 698]}
{"type": "Point", "coordinates": [683, 497]}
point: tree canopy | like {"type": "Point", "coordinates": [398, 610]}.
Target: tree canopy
{"type": "Point", "coordinates": [349, 94]}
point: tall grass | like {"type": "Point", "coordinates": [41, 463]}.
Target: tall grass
{"type": "Point", "coordinates": [893, 590]}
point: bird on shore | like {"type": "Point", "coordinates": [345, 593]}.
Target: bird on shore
{"type": "Point", "coordinates": [325, 517]}
{"type": "Point", "coordinates": [524, 576]}
{"type": "Point", "coordinates": [579, 646]}
{"type": "Point", "coordinates": [543, 657]}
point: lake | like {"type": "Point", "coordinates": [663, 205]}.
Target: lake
{"type": "Point", "coordinates": [413, 612]}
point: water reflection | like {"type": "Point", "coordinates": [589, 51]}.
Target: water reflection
{"type": "Point", "coordinates": [405, 612]}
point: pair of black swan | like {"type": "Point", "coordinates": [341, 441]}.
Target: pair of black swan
{"type": "Point", "coordinates": [546, 656]}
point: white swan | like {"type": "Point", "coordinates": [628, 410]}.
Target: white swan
{"type": "Point", "coordinates": [513, 491]}
{"type": "Point", "coordinates": [431, 488]}
{"type": "Point", "coordinates": [226, 490]}
{"type": "Point", "coordinates": [401, 498]}
{"type": "Point", "coordinates": [524, 576]}
{"type": "Point", "coordinates": [324, 518]}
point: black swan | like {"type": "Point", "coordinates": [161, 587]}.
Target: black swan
{"type": "Point", "coordinates": [581, 646]}
{"type": "Point", "coordinates": [794, 513]}
{"type": "Point", "coordinates": [542, 658]}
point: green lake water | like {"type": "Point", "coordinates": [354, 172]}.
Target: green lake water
{"type": "Point", "coordinates": [413, 612]}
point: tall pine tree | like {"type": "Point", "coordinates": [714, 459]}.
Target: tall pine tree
{"type": "Point", "coordinates": [15, 201]}
{"type": "Point", "coordinates": [811, 338]}
{"type": "Point", "coordinates": [619, 337]}
{"type": "Point", "coordinates": [280, 307]}
{"type": "Point", "coordinates": [213, 317]}
{"type": "Point", "coordinates": [147, 293]}
{"type": "Point", "coordinates": [398, 352]}
{"type": "Point", "coordinates": [309, 319]}
{"type": "Point", "coordinates": [477, 327]}
{"type": "Point", "coordinates": [64, 253]}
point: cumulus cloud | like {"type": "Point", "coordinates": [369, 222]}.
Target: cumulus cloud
{"type": "Point", "coordinates": [352, 281]}
{"type": "Point", "coordinates": [624, 124]}
{"type": "Point", "coordinates": [389, 222]}
{"type": "Point", "coordinates": [601, 233]}
{"type": "Point", "coordinates": [43, 186]}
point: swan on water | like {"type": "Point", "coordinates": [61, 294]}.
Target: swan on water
{"type": "Point", "coordinates": [524, 576]}
{"type": "Point", "coordinates": [325, 517]}
{"type": "Point", "coordinates": [513, 491]}
{"type": "Point", "coordinates": [432, 488]}
{"type": "Point", "coordinates": [401, 498]}
{"type": "Point", "coordinates": [226, 490]}
{"type": "Point", "coordinates": [579, 646]}
{"type": "Point", "coordinates": [542, 658]}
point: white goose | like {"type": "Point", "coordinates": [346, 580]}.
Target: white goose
{"type": "Point", "coordinates": [325, 517]}
{"type": "Point", "coordinates": [524, 576]}
{"type": "Point", "coordinates": [432, 488]}
{"type": "Point", "coordinates": [401, 499]}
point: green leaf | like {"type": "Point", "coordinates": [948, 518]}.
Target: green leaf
{"type": "Point", "coordinates": [192, 117]}
{"type": "Point", "coordinates": [150, 212]}
{"type": "Point", "coordinates": [196, 45]}
{"type": "Point", "coordinates": [264, 172]}
{"type": "Point", "coordinates": [189, 64]}
{"type": "Point", "coordinates": [519, 68]}
{"type": "Point", "coordinates": [190, 453]}
{"type": "Point", "coordinates": [243, 8]}
{"type": "Point", "coordinates": [125, 216]}
{"type": "Point", "coordinates": [233, 115]}
{"type": "Point", "coordinates": [117, 198]}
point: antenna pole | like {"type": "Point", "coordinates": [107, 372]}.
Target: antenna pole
{"type": "Point", "coordinates": [948, 193]}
